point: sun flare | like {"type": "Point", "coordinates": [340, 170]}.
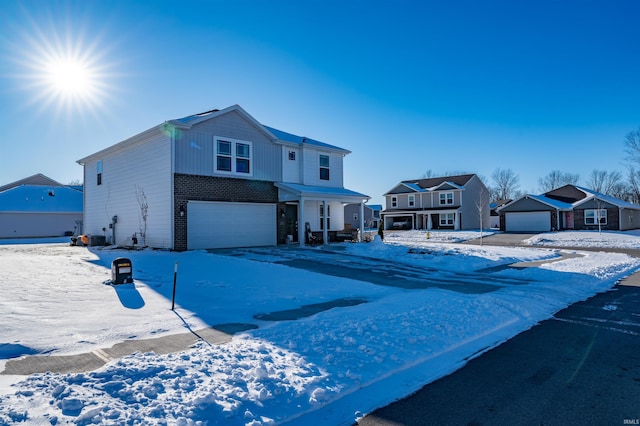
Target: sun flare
{"type": "Point", "coordinates": [65, 72]}
{"type": "Point", "coordinates": [70, 77]}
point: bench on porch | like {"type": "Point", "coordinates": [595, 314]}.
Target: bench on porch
{"type": "Point", "coordinates": [347, 234]}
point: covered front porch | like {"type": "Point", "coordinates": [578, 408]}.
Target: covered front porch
{"type": "Point", "coordinates": [322, 208]}
{"type": "Point", "coordinates": [423, 219]}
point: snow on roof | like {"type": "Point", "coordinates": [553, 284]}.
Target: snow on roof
{"type": "Point", "coordinates": [606, 198]}
{"type": "Point", "coordinates": [41, 199]}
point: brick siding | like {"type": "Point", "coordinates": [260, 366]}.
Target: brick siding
{"type": "Point", "coordinates": [211, 188]}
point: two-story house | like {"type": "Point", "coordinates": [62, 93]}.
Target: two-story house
{"type": "Point", "coordinates": [448, 202]}
{"type": "Point", "coordinates": [217, 179]}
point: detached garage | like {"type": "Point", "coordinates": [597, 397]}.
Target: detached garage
{"type": "Point", "coordinates": [213, 225]}
{"type": "Point", "coordinates": [528, 221]}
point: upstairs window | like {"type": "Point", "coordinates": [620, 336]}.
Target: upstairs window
{"type": "Point", "coordinates": [595, 216]}
{"type": "Point", "coordinates": [99, 172]}
{"type": "Point", "coordinates": [292, 155]}
{"type": "Point", "coordinates": [446, 198]}
{"type": "Point", "coordinates": [412, 200]}
{"type": "Point", "coordinates": [233, 156]}
{"type": "Point", "coordinates": [394, 202]}
{"type": "Point", "coordinates": [324, 167]}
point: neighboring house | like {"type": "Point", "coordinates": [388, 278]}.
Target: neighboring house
{"type": "Point", "coordinates": [448, 202]}
{"type": "Point", "coordinates": [494, 219]}
{"type": "Point", "coordinates": [39, 207]}
{"type": "Point", "coordinates": [217, 179]}
{"type": "Point", "coordinates": [370, 214]}
{"type": "Point", "coordinates": [568, 207]}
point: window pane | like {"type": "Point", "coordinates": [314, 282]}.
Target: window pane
{"type": "Point", "coordinates": [242, 150]}
{"type": "Point", "coordinates": [324, 160]}
{"type": "Point", "coordinates": [224, 148]}
{"type": "Point", "coordinates": [324, 173]}
{"type": "Point", "coordinates": [242, 165]}
{"type": "Point", "coordinates": [224, 163]}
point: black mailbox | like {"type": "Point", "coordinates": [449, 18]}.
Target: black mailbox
{"type": "Point", "coordinates": [121, 271]}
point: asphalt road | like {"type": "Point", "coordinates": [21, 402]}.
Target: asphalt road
{"type": "Point", "coordinates": [581, 367]}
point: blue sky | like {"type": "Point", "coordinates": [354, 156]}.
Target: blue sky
{"type": "Point", "coordinates": [407, 86]}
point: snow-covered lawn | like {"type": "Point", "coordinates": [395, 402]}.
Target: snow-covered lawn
{"type": "Point", "coordinates": [329, 368]}
{"type": "Point", "coordinates": [604, 239]}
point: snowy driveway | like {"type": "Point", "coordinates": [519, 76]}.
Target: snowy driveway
{"type": "Point", "coordinates": [337, 263]}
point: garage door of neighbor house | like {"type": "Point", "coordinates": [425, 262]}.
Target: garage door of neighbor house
{"type": "Point", "coordinates": [528, 221]}
{"type": "Point", "coordinates": [225, 225]}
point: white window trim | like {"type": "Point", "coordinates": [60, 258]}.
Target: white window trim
{"type": "Point", "coordinates": [446, 198]}
{"type": "Point", "coordinates": [601, 213]}
{"type": "Point", "coordinates": [445, 216]}
{"type": "Point", "coordinates": [320, 167]}
{"type": "Point", "coordinates": [394, 202]}
{"type": "Point", "coordinates": [412, 201]}
{"type": "Point", "coordinates": [234, 143]}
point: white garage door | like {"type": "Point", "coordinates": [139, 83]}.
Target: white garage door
{"type": "Point", "coordinates": [225, 225]}
{"type": "Point", "coordinates": [528, 222]}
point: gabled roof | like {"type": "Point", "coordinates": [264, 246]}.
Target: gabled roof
{"type": "Point", "coordinates": [435, 184]}
{"type": "Point", "coordinates": [606, 198]}
{"type": "Point", "coordinates": [589, 195]}
{"type": "Point", "coordinates": [277, 136]}
{"type": "Point", "coordinates": [37, 179]}
{"type": "Point", "coordinates": [272, 133]}
{"type": "Point", "coordinates": [41, 199]}
{"type": "Point", "coordinates": [458, 180]}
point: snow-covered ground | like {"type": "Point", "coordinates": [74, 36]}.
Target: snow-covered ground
{"type": "Point", "coordinates": [330, 368]}
{"type": "Point", "coordinates": [626, 239]}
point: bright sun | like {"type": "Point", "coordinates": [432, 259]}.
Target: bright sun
{"type": "Point", "coordinates": [64, 74]}
{"type": "Point", "coordinates": [70, 77]}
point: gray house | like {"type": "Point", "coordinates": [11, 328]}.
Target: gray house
{"type": "Point", "coordinates": [568, 207]}
{"type": "Point", "coordinates": [371, 216]}
{"type": "Point", "coordinates": [39, 207]}
{"type": "Point", "coordinates": [447, 202]}
{"type": "Point", "coordinates": [217, 179]}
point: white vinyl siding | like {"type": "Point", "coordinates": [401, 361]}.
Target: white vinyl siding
{"type": "Point", "coordinates": [311, 165]}
{"type": "Point", "coordinates": [290, 164]}
{"type": "Point", "coordinates": [145, 164]}
{"type": "Point", "coordinates": [195, 148]}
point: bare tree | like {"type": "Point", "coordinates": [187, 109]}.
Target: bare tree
{"type": "Point", "coordinates": [556, 179]}
{"type": "Point", "coordinates": [482, 204]}
{"type": "Point", "coordinates": [505, 184]}
{"type": "Point", "coordinates": [608, 183]}
{"type": "Point", "coordinates": [632, 150]}
{"type": "Point", "coordinates": [144, 213]}
{"type": "Point", "coordinates": [633, 176]}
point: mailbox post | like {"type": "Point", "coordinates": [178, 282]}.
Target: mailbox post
{"type": "Point", "coordinates": [121, 271]}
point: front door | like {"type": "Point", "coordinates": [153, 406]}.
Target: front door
{"type": "Point", "coordinates": [291, 218]}
{"type": "Point", "coordinates": [568, 218]}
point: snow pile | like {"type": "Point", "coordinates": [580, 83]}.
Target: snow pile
{"type": "Point", "coordinates": [328, 368]}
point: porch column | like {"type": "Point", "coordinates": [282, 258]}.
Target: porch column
{"type": "Point", "coordinates": [361, 221]}
{"type": "Point", "coordinates": [429, 223]}
{"type": "Point", "coordinates": [456, 221]}
{"type": "Point", "coordinates": [325, 231]}
{"type": "Point", "coordinates": [301, 226]}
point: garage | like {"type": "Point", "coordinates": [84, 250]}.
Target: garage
{"type": "Point", "coordinates": [528, 222]}
{"type": "Point", "coordinates": [226, 225]}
